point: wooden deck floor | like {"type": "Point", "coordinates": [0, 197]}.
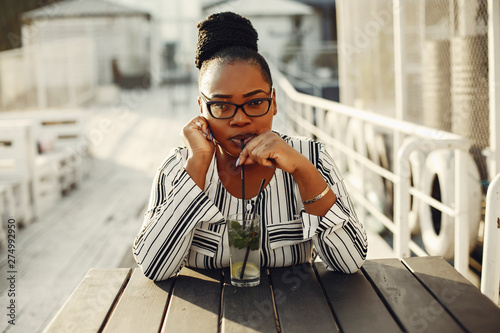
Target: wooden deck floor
{"type": "Point", "coordinates": [95, 225]}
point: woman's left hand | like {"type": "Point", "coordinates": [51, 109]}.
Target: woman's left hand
{"type": "Point", "coordinates": [268, 149]}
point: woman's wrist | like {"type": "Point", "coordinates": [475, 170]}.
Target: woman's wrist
{"type": "Point", "coordinates": [197, 167]}
{"type": "Point", "coordinates": [314, 190]}
{"type": "Point", "coordinates": [303, 170]}
{"type": "Point", "coordinates": [318, 197]}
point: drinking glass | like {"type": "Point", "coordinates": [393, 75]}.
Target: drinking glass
{"type": "Point", "coordinates": [244, 249]}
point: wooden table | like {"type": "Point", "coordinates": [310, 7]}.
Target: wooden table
{"type": "Point", "coordinates": [422, 294]}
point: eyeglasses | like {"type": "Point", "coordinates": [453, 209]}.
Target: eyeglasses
{"type": "Point", "coordinates": [225, 110]}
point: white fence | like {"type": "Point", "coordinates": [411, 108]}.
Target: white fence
{"type": "Point", "coordinates": [53, 74]}
{"type": "Point", "coordinates": [328, 121]}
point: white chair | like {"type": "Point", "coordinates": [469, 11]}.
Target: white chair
{"type": "Point", "coordinates": [490, 272]}
{"type": "Point", "coordinates": [10, 199]}
{"type": "Point", "coordinates": [19, 160]}
{"type": "Point", "coordinates": [64, 130]}
{"type": "Point", "coordinates": [67, 128]}
{"type": "Point", "coordinates": [15, 170]}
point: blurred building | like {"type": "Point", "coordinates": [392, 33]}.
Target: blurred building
{"type": "Point", "coordinates": [122, 35]}
{"type": "Point", "coordinates": [328, 13]}
{"type": "Point", "coordinates": [297, 36]}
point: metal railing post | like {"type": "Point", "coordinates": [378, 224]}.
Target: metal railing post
{"type": "Point", "coordinates": [490, 275]}
{"type": "Point", "coordinates": [461, 256]}
{"type": "Point", "coordinates": [402, 199]}
{"type": "Point", "coordinates": [494, 84]}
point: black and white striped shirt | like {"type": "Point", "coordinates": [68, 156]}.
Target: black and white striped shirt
{"type": "Point", "coordinates": [186, 226]}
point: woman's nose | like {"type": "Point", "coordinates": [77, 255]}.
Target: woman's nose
{"type": "Point", "coordinates": [240, 118]}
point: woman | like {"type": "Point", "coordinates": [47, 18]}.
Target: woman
{"type": "Point", "coordinates": [304, 201]}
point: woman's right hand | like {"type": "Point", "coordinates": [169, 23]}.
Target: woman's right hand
{"type": "Point", "coordinates": [198, 138]}
{"type": "Point", "coordinates": [199, 141]}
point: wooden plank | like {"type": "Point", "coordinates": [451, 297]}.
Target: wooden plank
{"type": "Point", "coordinates": [249, 309]}
{"type": "Point", "coordinates": [415, 308]}
{"type": "Point", "coordinates": [300, 302]}
{"type": "Point", "coordinates": [195, 303]}
{"type": "Point", "coordinates": [148, 296]}
{"type": "Point", "coordinates": [87, 309]}
{"type": "Point", "coordinates": [355, 303]}
{"type": "Point", "coordinates": [464, 301]}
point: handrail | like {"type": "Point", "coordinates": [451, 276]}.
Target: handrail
{"type": "Point", "coordinates": [429, 139]}
{"type": "Point", "coordinates": [490, 274]}
{"type": "Point", "coordinates": [455, 141]}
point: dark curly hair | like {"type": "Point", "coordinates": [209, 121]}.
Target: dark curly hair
{"type": "Point", "coordinates": [228, 37]}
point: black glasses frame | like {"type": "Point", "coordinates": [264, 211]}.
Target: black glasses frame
{"type": "Point", "coordinates": [238, 106]}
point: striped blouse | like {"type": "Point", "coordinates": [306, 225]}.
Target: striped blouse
{"type": "Point", "coordinates": [186, 226]}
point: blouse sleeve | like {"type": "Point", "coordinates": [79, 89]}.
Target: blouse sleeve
{"type": "Point", "coordinates": [176, 206]}
{"type": "Point", "coordinates": [339, 238]}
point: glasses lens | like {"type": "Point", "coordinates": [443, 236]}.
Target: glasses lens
{"type": "Point", "coordinates": [257, 108]}
{"type": "Point", "coordinates": [222, 110]}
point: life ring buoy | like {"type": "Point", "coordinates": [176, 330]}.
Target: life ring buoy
{"type": "Point", "coordinates": [352, 141]}
{"type": "Point", "coordinates": [417, 163]}
{"type": "Point", "coordinates": [353, 182]}
{"type": "Point", "coordinates": [438, 180]}
{"type": "Point", "coordinates": [377, 153]}
{"type": "Point", "coordinates": [374, 189]}
{"type": "Point", "coordinates": [335, 126]}
{"type": "Point", "coordinates": [370, 148]}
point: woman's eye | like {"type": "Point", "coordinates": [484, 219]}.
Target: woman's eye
{"type": "Point", "coordinates": [254, 103]}
{"type": "Point", "coordinates": [219, 106]}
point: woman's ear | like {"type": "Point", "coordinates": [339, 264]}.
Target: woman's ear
{"type": "Point", "coordinates": [200, 104]}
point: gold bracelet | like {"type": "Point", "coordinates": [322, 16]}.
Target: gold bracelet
{"type": "Point", "coordinates": [321, 195]}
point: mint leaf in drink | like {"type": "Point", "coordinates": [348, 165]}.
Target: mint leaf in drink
{"type": "Point", "coordinates": [235, 225]}
{"type": "Point", "coordinates": [241, 238]}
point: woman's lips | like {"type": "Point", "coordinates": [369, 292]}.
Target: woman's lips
{"type": "Point", "coordinates": [236, 140]}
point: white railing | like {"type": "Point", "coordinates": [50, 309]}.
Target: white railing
{"type": "Point", "coordinates": [301, 112]}
{"type": "Point", "coordinates": [490, 271]}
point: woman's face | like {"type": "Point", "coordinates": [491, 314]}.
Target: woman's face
{"type": "Point", "coordinates": [237, 82]}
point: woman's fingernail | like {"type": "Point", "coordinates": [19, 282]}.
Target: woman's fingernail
{"type": "Point", "coordinates": [270, 167]}
{"type": "Point", "coordinates": [211, 137]}
{"type": "Point", "coordinates": [238, 161]}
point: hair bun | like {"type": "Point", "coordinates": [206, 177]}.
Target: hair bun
{"type": "Point", "coordinates": [223, 30]}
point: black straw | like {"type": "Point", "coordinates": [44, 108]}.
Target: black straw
{"type": "Point", "coordinates": [253, 215]}
{"type": "Point", "coordinates": [258, 196]}
{"type": "Point", "coordinates": [243, 182]}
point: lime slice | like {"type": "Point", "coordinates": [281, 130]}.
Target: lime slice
{"type": "Point", "coordinates": [251, 270]}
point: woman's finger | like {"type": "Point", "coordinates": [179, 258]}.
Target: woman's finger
{"type": "Point", "coordinates": [202, 127]}
{"type": "Point", "coordinates": [258, 151]}
{"type": "Point", "coordinates": [261, 153]}
{"type": "Point", "coordinates": [249, 147]}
